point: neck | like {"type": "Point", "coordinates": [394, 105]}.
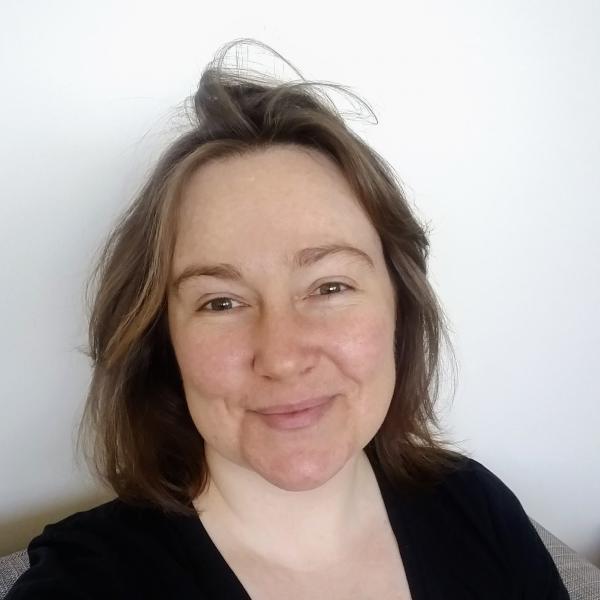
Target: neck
{"type": "Point", "coordinates": [244, 512]}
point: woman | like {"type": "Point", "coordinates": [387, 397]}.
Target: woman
{"type": "Point", "coordinates": [266, 347]}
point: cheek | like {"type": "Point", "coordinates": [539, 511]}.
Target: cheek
{"type": "Point", "coordinates": [366, 356]}
{"type": "Point", "coordinates": [212, 371]}
{"type": "Point", "coordinates": [210, 364]}
{"type": "Point", "coordinates": [365, 346]}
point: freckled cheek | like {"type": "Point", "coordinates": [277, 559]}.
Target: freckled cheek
{"type": "Point", "coordinates": [364, 346]}
{"type": "Point", "coordinates": [365, 355]}
{"type": "Point", "coordinates": [212, 365]}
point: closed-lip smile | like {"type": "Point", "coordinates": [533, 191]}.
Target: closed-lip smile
{"type": "Point", "coordinates": [295, 415]}
{"type": "Point", "coordinates": [281, 409]}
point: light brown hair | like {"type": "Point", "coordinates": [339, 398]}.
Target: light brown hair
{"type": "Point", "coordinates": [140, 436]}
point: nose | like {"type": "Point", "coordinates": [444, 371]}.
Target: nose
{"type": "Point", "coordinates": [282, 345]}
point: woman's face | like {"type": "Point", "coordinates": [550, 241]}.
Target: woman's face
{"type": "Point", "coordinates": [281, 300]}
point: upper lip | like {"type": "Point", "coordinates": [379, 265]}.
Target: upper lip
{"type": "Point", "coordinates": [280, 409]}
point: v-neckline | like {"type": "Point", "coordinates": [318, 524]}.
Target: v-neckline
{"type": "Point", "coordinates": [222, 582]}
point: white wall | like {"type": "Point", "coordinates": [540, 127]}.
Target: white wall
{"type": "Point", "coordinates": [488, 112]}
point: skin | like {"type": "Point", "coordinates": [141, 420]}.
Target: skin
{"type": "Point", "coordinates": [285, 333]}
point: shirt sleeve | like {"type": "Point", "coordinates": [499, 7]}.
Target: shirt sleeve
{"type": "Point", "coordinates": [67, 563]}
{"type": "Point", "coordinates": [518, 539]}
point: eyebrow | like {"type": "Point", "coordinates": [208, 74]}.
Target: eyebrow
{"type": "Point", "coordinates": [302, 259]}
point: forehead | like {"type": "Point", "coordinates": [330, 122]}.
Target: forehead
{"type": "Point", "coordinates": [271, 202]}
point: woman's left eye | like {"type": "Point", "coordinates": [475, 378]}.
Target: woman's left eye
{"type": "Point", "coordinates": [333, 287]}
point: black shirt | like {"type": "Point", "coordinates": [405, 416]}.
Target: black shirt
{"type": "Point", "coordinates": [466, 538]}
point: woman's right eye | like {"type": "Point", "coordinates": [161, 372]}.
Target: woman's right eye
{"type": "Point", "coordinates": [218, 305]}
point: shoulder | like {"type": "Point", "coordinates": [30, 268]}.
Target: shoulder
{"type": "Point", "coordinates": [472, 512]}
{"type": "Point", "coordinates": [100, 553]}
{"type": "Point", "coordinates": [109, 512]}
{"type": "Point", "coordinates": [113, 524]}
{"type": "Point", "coordinates": [473, 498]}
{"type": "Point", "coordinates": [113, 512]}
{"type": "Point", "coordinates": [112, 530]}
{"type": "Point", "coordinates": [473, 485]}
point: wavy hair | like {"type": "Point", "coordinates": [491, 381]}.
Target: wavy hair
{"type": "Point", "coordinates": [140, 438]}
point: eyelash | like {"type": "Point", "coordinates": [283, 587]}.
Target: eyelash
{"type": "Point", "coordinates": [329, 283]}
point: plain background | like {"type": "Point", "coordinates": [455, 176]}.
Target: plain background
{"type": "Point", "coordinates": [488, 112]}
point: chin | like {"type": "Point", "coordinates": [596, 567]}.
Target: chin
{"type": "Point", "coordinates": [303, 473]}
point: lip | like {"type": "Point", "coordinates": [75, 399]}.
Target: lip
{"type": "Point", "coordinates": [282, 409]}
{"type": "Point", "coordinates": [295, 416]}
